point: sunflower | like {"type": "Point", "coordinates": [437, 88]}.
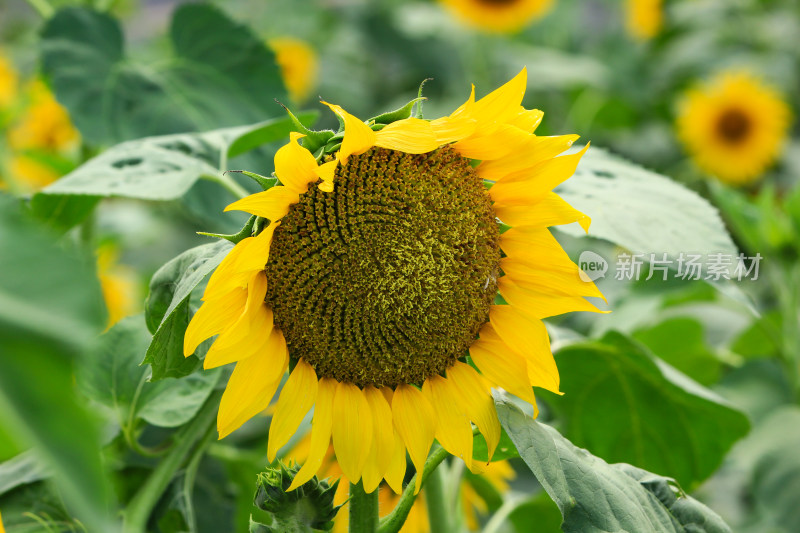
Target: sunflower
{"type": "Point", "coordinates": [380, 279]}
{"type": "Point", "coordinates": [118, 283]}
{"type": "Point", "coordinates": [734, 127]}
{"type": "Point", "coordinates": [500, 16]}
{"type": "Point", "coordinates": [298, 64]}
{"type": "Point", "coordinates": [8, 82]}
{"type": "Point", "coordinates": [644, 18]}
{"type": "Point", "coordinates": [45, 124]}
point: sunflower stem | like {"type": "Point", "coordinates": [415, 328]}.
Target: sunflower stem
{"type": "Point", "coordinates": [141, 505]}
{"type": "Point", "coordinates": [363, 509]}
{"type": "Point", "coordinates": [395, 520]}
{"type": "Point", "coordinates": [439, 512]}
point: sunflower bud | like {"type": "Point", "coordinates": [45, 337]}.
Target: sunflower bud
{"type": "Point", "coordinates": [308, 508]}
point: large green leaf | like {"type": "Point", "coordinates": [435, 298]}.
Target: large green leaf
{"type": "Point", "coordinates": [50, 309]}
{"type": "Point", "coordinates": [160, 168]}
{"type": "Point", "coordinates": [627, 406]}
{"type": "Point", "coordinates": [23, 469]}
{"type": "Point", "coordinates": [168, 307]}
{"type": "Point", "coordinates": [220, 74]}
{"type": "Point", "coordinates": [112, 376]}
{"type": "Point", "coordinates": [595, 497]}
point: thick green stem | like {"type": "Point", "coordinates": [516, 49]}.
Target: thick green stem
{"type": "Point", "coordinates": [363, 509]}
{"type": "Point", "coordinates": [141, 505]}
{"type": "Point", "coordinates": [439, 512]}
{"type": "Point", "coordinates": [395, 520]}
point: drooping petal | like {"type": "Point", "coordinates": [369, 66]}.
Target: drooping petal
{"type": "Point", "coordinates": [549, 210]}
{"type": "Point", "coordinates": [537, 150]}
{"type": "Point", "coordinates": [272, 204]}
{"type": "Point", "coordinates": [297, 397]}
{"type": "Point", "coordinates": [477, 402]}
{"type": "Point", "coordinates": [321, 426]}
{"type": "Point", "coordinates": [382, 449]}
{"type": "Point", "coordinates": [326, 173]}
{"type": "Point", "coordinates": [502, 367]}
{"type": "Point", "coordinates": [527, 119]}
{"type": "Point", "coordinates": [295, 166]}
{"type": "Point", "coordinates": [527, 337]}
{"type": "Point", "coordinates": [397, 467]}
{"type": "Point", "coordinates": [352, 429]}
{"type": "Point", "coordinates": [410, 135]}
{"type": "Point", "coordinates": [250, 255]}
{"type": "Point", "coordinates": [247, 393]}
{"type": "Point", "coordinates": [213, 317]}
{"type": "Point", "coordinates": [453, 428]}
{"type": "Point", "coordinates": [415, 421]}
{"type": "Point", "coordinates": [358, 137]}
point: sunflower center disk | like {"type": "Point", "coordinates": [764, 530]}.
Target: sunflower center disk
{"type": "Point", "coordinates": [387, 279]}
{"type": "Point", "coordinates": [734, 126]}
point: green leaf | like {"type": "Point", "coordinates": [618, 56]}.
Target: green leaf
{"type": "Point", "coordinates": [221, 74]}
{"type": "Point", "coordinates": [170, 289]}
{"type": "Point", "coordinates": [505, 448]}
{"type": "Point", "coordinates": [691, 355]}
{"type": "Point", "coordinates": [174, 282]}
{"type": "Point", "coordinates": [775, 472]}
{"type": "Point", "coordinates": [23, 469]}
{"type": "Point", "coordinates": [112, 376]}
{"type": "Point", "coordinates": [62, 212]}
{"type": "Point", "coordinates": [50, 309]}
{"type": "Point", "coordinates": [627, 406]}
{"type": "Point", "coordinates": [594, 496]}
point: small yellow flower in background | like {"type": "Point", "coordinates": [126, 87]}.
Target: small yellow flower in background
{"type": "Point", "coordinates": [644, 18]}
{"type": "Point", "coordinates": [380, 266]}
{"type": "Point", "coordinates": [30, 175]}
{"type": "Point", "coordinates": [500, 16]}
{"type": "Point", "coordinates": [45, 125]}
{"type": "Point", "coordinates": [498, 474]}
{"type": "Point", "coordinates": [8, 82]}
{"type": "Point", "coordinates": [298, 63]}
{"type": "Point", "coordinates": [734, 127]}
{"type": "Point", "coordinates": [2, 529]}
{"type": "Point", "coordinates": [119, 285]}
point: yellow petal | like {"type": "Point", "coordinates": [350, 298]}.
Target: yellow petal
{"type": "Point", "coordinates": [382, 449]}
{"type": "Point", "coordinates": [453, 428]}
{"type": "Point", "coordinates": [250, 255]}
{"type": "Point", "coordinates": [529, 186]}
{"type": "Point", "coordinates": [549, 210]}
{"type": "Point", "coordinates": [503, 367]}
{"type": "Point", "coordinates": [272, 204]}
{"type": "Point", "coordinates": [358, 137]}
{"type": "Point", "coordinates": [537, 150]}
{"type": "Point", "coordinates": [352, 429]}
{"type": "Point", "coordinates": [320, 432]}
{"type": "Point", "coordinates": [493, 142]}
{"type": "Point", "coordinates": [213, 317]}
{"type": "Point", "coordinates": [541, 304]}
{"type": "Point", "coordinates": [294, 165]}
{"type": "Point", "coordinates": [527, 337]}
{"type": "Point", "coordinates": [397, 467]}
{"type": "Point", "coordinates": [296, 398]}
{"type": "Point", "coordinates": [449, 129]}
{"type": "Point", "coordinates": [411, 135]}
{"type": "Point", "coordinates": [247, 393]}
{"type": "Point", "coordinates": [549, 281]}
{"type": "Point", "coordinates": [527, 120]}
{"type": "Point", "coordinates": [233, 345]}
{"type": "Point", "coordinates": [327, 171]}
{"type": "Point", "coordinates": [415, 421]}
{"type": "Point", "coordinates": [503, 103]}
{"type": "Point", "coordinates": [477, 402]}
{"type": "Point", "coordinates": [536, 248]}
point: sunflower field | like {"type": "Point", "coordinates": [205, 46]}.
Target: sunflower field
{"type": "Point", "coordinates": [388, 266]}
